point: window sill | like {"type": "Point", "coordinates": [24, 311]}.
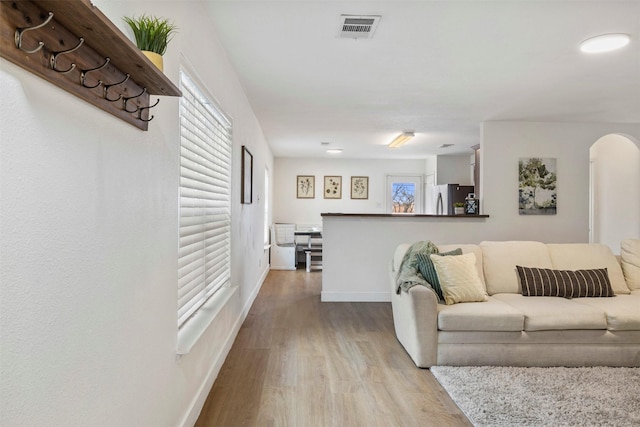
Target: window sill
{"type": "Point", "coordinates": [195, 327]}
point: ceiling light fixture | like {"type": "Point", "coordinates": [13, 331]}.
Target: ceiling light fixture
{"type": "Point", "coordinates": [334, 150]}
{"type": "Point", "coordinates": [604, 43]}
{"type": "Point", "coordinates": [401, 139]}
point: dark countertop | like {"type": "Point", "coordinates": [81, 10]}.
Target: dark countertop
{"type": "Point", "coordinates": [374, 215]}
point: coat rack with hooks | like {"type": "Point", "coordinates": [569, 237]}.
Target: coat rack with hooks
{"type": "Point", "coordinates": [71, 44]}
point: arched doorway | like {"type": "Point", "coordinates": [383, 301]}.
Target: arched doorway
{"type": "Point", "coordinates": [614, 189]}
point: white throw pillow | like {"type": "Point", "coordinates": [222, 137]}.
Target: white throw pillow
{"type": "Point", "coordinates": [459, 278]}
{"type": "Point", "coordinates": [630, 261]}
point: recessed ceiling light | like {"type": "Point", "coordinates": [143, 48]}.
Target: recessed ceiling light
{"type": "Point", "coordinates": [446, 145]}
{"type": "Point", "coordinates": [334, 150]}
{"type": "Point", "coordinates": [604, 43]}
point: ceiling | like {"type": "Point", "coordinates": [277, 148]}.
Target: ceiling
{"type": "Point", "coordinates": [439, 68]}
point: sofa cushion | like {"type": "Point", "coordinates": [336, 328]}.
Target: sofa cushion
{"type": "Point", "coordinates": [579, 256]}
{"type": "Point", "coordinates": [491, 315]}
{"type": "Point", "coordinates": [428, 270]}
{"type": "Point", "coordinates": [545, 282]}
{"type": "Point", "coordinates": [466, 249]}
{"type": "Point", "coordinates": [630, 260]}
{"type": "Point", "coordinates": [459, 279]}
{"type": "Point", "coordinates": [622, 312]}
{"type": "Point", "coordinates": [500, 260]}
{"type": "Point", "coordinates": [547, 313]}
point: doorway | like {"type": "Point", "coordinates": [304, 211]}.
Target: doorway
{"type": "Point", "coordinates": [614, 190]}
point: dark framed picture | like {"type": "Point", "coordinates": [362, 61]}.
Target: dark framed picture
{"type": "Point", "coordinates": [332, 187]}
{"type": "Point", "coordinates": [306, 186]}
{"type": "Point", "coordinates": [247, 176]}
{"type": "Point", "coordinates": [360, 187]}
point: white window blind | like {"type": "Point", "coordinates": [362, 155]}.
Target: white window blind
{"type": "Point", "coordinates": [205, 205]}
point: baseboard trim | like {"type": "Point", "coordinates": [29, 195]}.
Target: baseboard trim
{"type": "Point", "coordinates": [193, 412]}
{"type": "Point", "coordinates": [355, 297]}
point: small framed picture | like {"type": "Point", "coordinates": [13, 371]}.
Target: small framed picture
{"type": "Point", "coordinates": [360, 187]}
{"type": "Point", "coordinates": [306, 186]}
{"type": "Point", "coordinates": [332, 187]}
{"type": "Point", "coordinates": [247, 176]}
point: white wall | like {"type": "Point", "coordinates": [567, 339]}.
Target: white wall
{"type": "Point", "coordinates": [616, 181]}
{"type": "Point", "coordinates": [454, 170]}
{"type": "Point", "coordinates": [288, 208]}
{"type": "Point", "coordinates": [357, 250]}
{"type": "Point", "coordinates": [503, 143]}
{"type": "Point", "coordinates": [430, 169]}
{"type": "Point", "coordinates": [89, 228]}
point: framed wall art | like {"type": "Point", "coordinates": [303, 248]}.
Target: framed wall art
{"type": "Point", "coordinates": [360, 187]}
{"type": "Point", "coordinates": [247, 177]}
{"type": "Point", "coordinates": [332, 187]}
{"type": "Point", "coordinates": [305, 186]}
{"type": "Point", "coordinates": [537, 186]}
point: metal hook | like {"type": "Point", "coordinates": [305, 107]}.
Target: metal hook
{"type": "Point", "coordinates": [147, 108]}
{"type": "Point", "coordinates": [126, 99]}
{"type": "Point", "coordinates": [20, 32]}
{"type": "Point", "coordinates": [106, 88]}
{"type": "Point", "coordinates": [54, 58]}
{"type": "Point", "coordinates": [83, 74]}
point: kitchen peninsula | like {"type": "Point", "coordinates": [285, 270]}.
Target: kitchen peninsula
{"type": "Point", "coordinates": [357, 248]}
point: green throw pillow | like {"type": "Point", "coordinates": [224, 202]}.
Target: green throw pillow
{"type": "Point", "coordinates": [428, 271]}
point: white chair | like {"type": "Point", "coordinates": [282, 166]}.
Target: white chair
{"type": "Point", "coordinates": [313, 253]}
{"type": "Point", "coordinates": [283, 247]}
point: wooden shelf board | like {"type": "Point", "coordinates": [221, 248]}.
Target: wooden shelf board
{"type": "Point", "coordinates": [85, 20]}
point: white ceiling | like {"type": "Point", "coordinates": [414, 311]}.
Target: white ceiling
{"type": "Point", "coordinates": [439, 68]}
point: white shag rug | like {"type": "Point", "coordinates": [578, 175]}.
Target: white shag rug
{"type": "Point", "coordinates": [510, 396]}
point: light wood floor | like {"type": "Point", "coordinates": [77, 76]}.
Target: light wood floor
{"type": "Point", "coordinates": [300, 362]}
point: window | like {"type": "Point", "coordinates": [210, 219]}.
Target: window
{"type": "Point", "coordinates": [404, 194]}
{"type": "Point", "coordinates": [266, 207]}
{"type": "Point", "coordinates": [205, 205]}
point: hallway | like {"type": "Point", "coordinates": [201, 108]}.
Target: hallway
{"type": "Point", "coordinates": [300, 362]}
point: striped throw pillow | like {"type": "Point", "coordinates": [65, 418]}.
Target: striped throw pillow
{"type": "Point", "coordinates": [428, 271]}
{"type": "Point", "coordinates": [544, 282]}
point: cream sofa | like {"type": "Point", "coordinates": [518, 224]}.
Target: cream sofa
{"type": "Point", "coordinates": [514, 330]}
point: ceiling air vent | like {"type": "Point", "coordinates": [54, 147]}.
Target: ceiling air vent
{"type": "Point", "coordinates": [358, 26]}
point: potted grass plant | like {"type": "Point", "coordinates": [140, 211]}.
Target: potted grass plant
{"type": "Point", "coordinates": [458, 208]}
{"type": "Point", "coordinates": [152, 35]}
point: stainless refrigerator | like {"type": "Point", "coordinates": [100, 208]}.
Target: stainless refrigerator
{"type": "Point", "coordinates": [440, 198]}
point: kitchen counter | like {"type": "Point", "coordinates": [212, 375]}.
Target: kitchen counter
{"type": "Point", "coordinates": [373, 215]}
{"type": "Point", "coordinates": [357, 247]}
